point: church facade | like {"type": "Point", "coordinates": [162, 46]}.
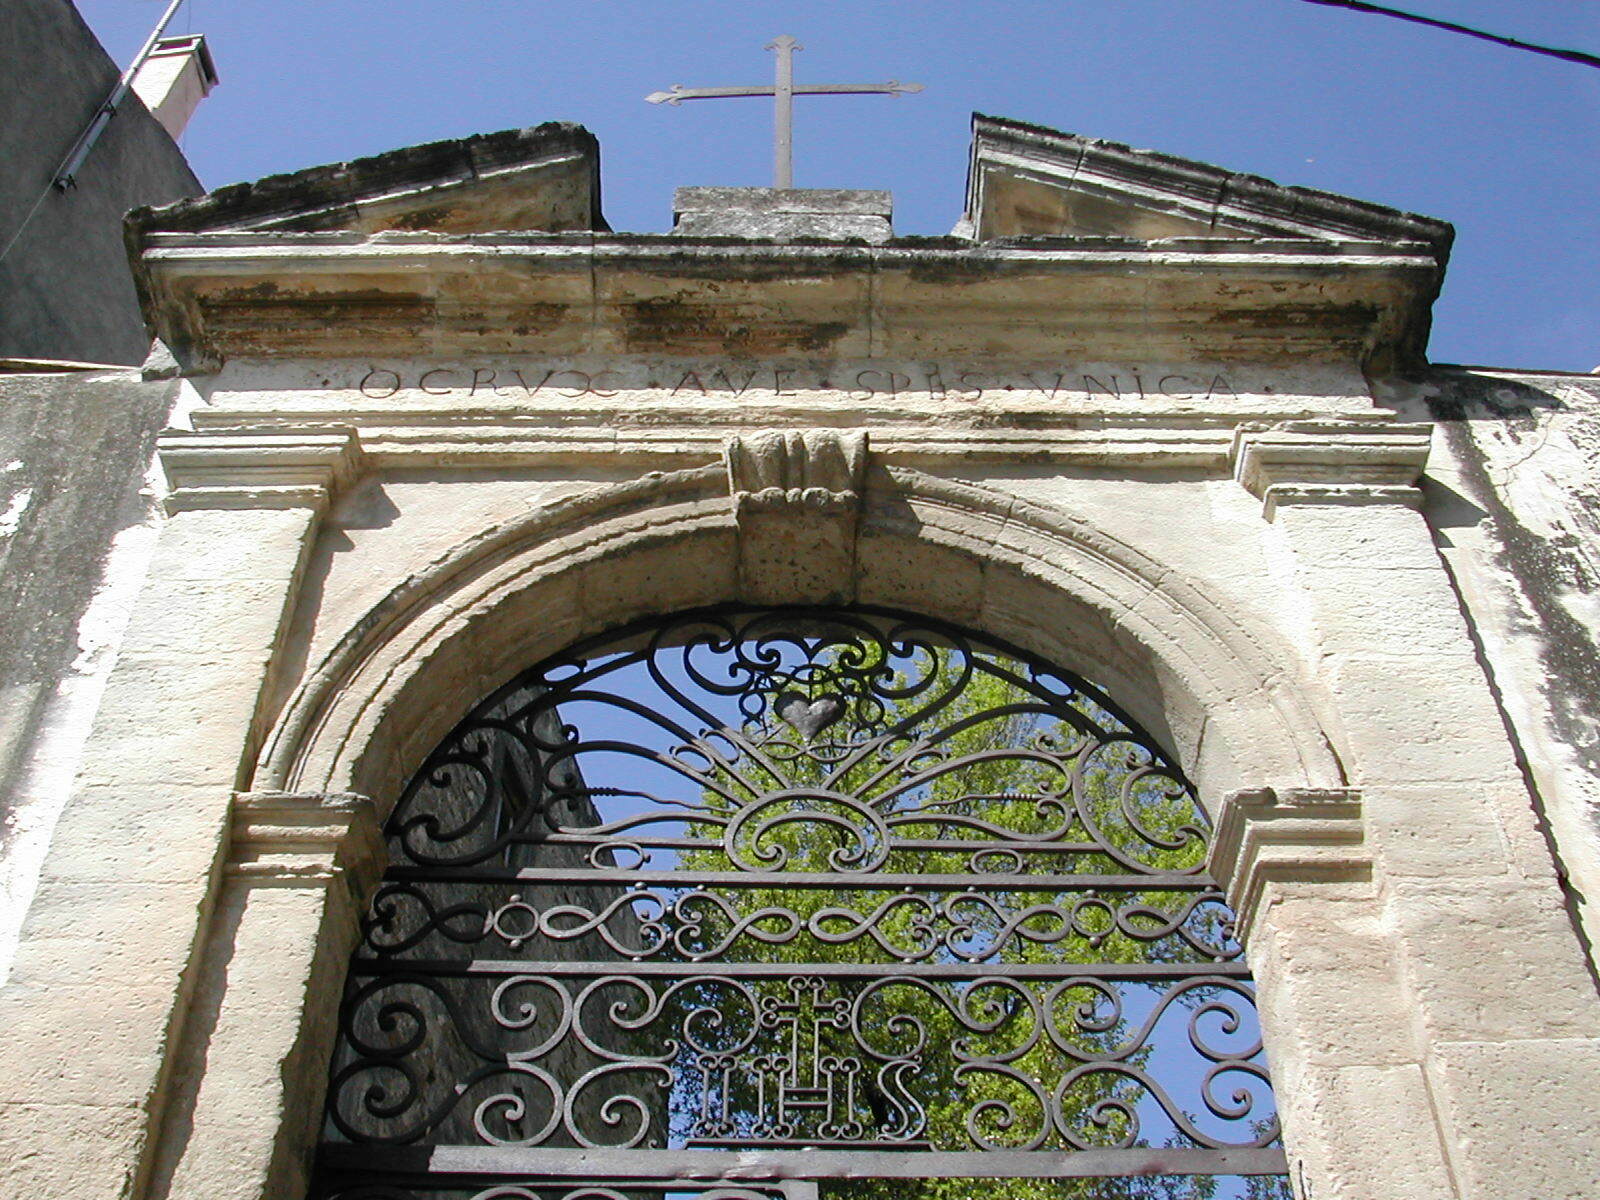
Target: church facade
{"type": "Point", "coordinates": [425, 421]}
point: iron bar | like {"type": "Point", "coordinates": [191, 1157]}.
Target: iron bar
{"type": "Point", "coordinates": [902, 845]}
{"type": "Point", "coordinates": [761, 1166]}
{"type": "Point", "coordinates": [827, 880]}
{"type": "Point", "coordinates": [626, 969]}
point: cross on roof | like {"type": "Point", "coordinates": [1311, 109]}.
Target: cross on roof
{"type": "Point", "coordinates": [783, 92]}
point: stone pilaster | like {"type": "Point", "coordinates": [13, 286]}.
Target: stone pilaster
{"type": "Point", "coordinates": [1298, 871]}
{"type": "Point", "coordinates": [1332, 463]}
{"type": "Point", "coordinates": [1266, 838]}
{"type": "Point", "coordinates": [246, 1095]}
{"type": "Point", "coordinates": [257, 470]}
{"type": "Point", "coordinates": [1415, 1000]}
{"type": "Point", "coordinates": [109, 956]}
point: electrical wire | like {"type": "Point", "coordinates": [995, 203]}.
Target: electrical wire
{"type": "Point", "coordinates": [12, 241]}
{"type": "Point", "coordinates": [1580, 57]}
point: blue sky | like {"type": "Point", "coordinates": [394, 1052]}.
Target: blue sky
{"type": "Point", "coordinates": [1500, 142]}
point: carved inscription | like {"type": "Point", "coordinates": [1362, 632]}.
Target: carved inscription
{"type": "Point", "coordinates": [929, 382]}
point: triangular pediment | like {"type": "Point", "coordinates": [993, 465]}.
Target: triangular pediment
{"type": "Point", "coordinates": [1028, 181]}
{"type": "Point", "coordinates": [544, 179]}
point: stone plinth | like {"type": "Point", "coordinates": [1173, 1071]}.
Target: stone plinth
{"type": "Point", "coordinates": [784, 214]}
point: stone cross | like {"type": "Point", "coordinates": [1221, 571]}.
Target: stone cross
{"type": "Point", "coordinates": [783, 92]}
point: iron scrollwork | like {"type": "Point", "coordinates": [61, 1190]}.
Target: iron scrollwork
{"type": "Point", "coordinates": [770, 879]}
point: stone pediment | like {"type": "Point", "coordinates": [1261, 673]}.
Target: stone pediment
{"type": "Point", "coordinates": [494, 247]}
{"type": "Point", "coordinates": [544, 179]}
{"type": "Point", "coordinates": [1026, 181]}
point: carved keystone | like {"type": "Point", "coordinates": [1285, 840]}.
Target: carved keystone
{"type": "Point", "coordinates": [818, 469]}
{"type": "Point", "coordinates": [1298, 835]}
{"type": "Point", "coordinates": [797, 500]}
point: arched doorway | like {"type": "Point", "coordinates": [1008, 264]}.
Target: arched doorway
{"type": "Point", "coordinates": [747, 901]}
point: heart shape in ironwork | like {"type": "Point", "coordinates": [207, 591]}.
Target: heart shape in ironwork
{"type": "Point", "coordinates": [808, 717]}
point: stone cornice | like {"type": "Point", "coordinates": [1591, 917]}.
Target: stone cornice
{"type": "Point", "coordinates": [216, 296]}
{"type": "Point", "coordinates": [1297, 835]}
{"type": "Point", "coordinates": [1332, 462]}
{"type": "Point", "coordinates": [227, 251]}
{"type": "Point", "coordinates": [250, 469]}
{"type": "Point", "coordinates": [242, 442]}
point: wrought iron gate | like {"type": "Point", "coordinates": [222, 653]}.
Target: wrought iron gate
{"type": "Point", "coordinates": [738, 899]}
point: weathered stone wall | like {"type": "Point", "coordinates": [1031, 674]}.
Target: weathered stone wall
{"type": "Point", "coordinates": [77, 523]}
{"type": "Point", "coordinates": [65, 288]}
{"type": "Point", "coordinates": [1513, 496]}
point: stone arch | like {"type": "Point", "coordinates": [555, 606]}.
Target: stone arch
{"type": "Point", "coordinates": [1202, 679]}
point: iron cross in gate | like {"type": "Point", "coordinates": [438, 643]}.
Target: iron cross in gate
{"type": "Point", "coordinates": [783, 92]}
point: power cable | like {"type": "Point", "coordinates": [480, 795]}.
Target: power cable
{"type": "Point", "coordinates": [17, 233]}
{"type": "Point", "coordinates": [1578, 56]}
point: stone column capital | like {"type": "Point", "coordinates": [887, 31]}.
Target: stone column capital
{"type": "Point", "coordinates": [252, 469]}
{"type": "Point", "coordinates": [1296, 835]}
{"type": "Point", "coordinates": [1332, 462]}
{"type": "Point", "coordinates": [296, 838]}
